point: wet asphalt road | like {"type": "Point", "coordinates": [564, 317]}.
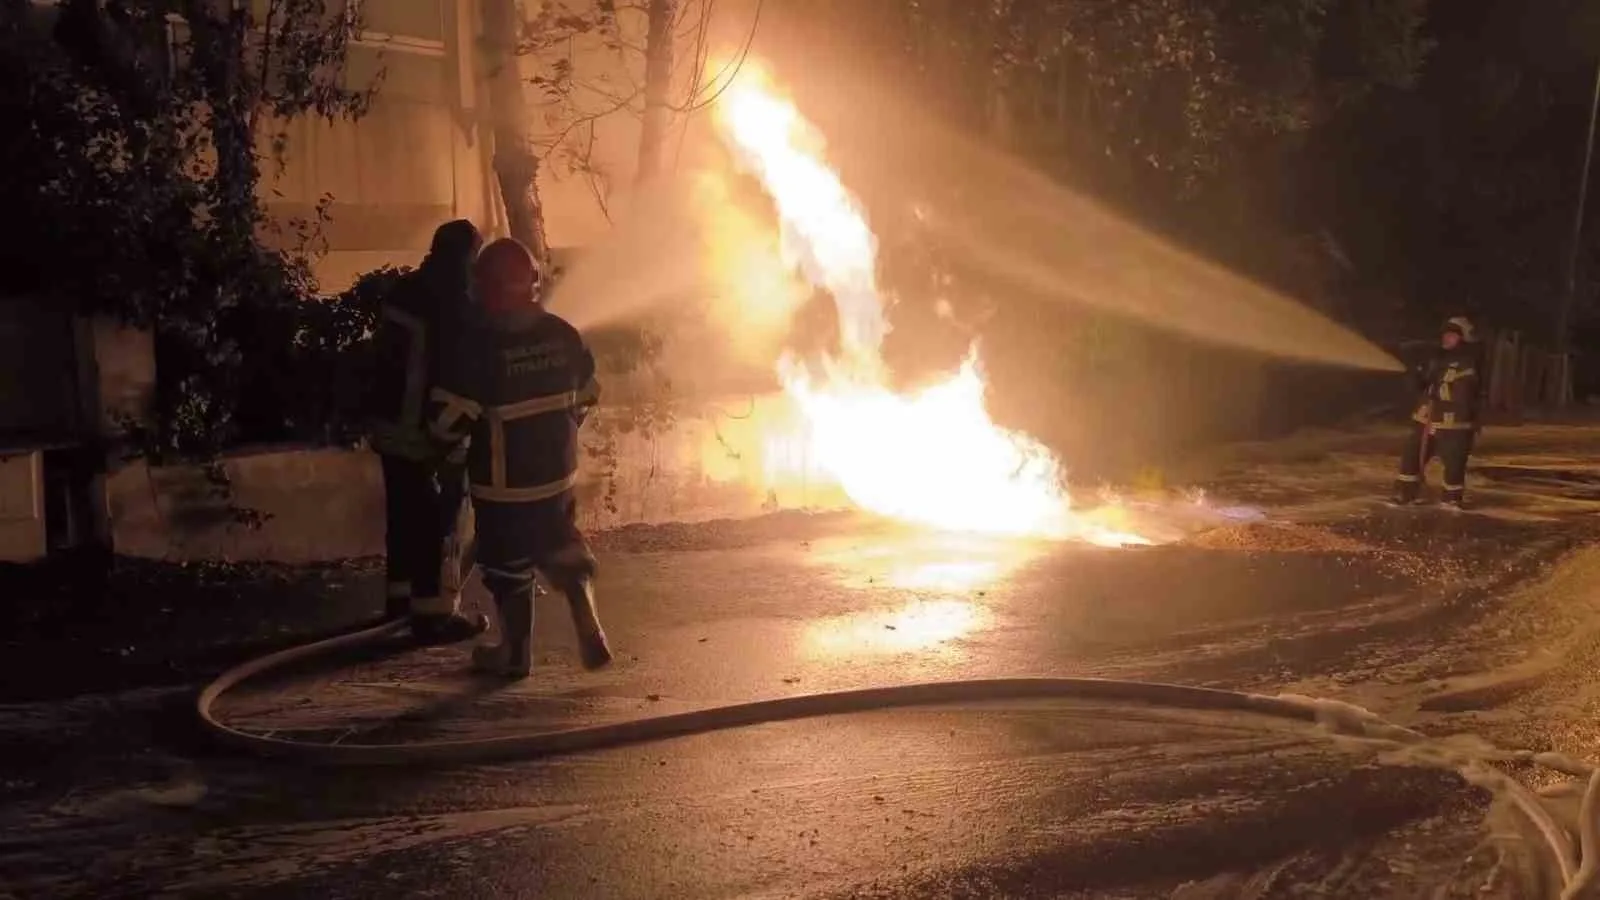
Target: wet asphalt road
{"type": "Point", "coordinates": [1029, 799]}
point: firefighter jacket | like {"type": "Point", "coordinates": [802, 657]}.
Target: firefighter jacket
{"type": "Point", "coordinates": [1451, 388]}
{"type": "Point", "coordinates": [407, 350]}
{"type": "Point", "coordinates": [517, 391]}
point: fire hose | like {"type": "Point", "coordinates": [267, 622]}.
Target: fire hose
{"type": "Point", "coordinates": [1579, 866]}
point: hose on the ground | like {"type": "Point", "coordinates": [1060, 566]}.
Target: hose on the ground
{"type": "Point", "coordinates": [596, 737]}
{"type": "Point", "coordinates": [1579, 879]}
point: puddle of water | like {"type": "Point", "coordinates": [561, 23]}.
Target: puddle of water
{"type": "Point", "coordinates": [938, 564]}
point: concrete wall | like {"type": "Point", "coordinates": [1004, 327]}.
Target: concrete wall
{"type": "Point", "coordinates": [22, 526]}
{"type": "Point", "coordinates": [328, 504]}
{"type": "Point", "coordinates": [62, 378]}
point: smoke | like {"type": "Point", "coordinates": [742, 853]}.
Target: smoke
{"type": "Point", "coordinates": [694, 250]}
{"type": "Point", "coordinates": [651, 257]}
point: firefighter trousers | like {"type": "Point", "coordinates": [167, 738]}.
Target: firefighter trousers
{"type": "Point", "coordinates": [516, 542]}
{"type": "Point", "coordinates": [1451, 446]}
{"type": "Point", "coordinates": [413, 535]}
{"type": "Point", "coordinates": [455, 528]}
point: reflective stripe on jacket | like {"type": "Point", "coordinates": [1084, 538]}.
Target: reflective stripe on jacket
{"type": "Point", "coordinates": [1450, 400]}
{"type": "Point", "coordinates": [407, 348]}
{"type": "Point", "coordinates": [519, 391]}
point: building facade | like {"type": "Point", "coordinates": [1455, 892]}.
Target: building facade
{"type": "Point", "coordinates": [420, 157]}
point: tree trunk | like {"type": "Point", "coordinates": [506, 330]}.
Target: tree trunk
{"type": "Point", "coordinates": [516, 165]}
{"type": "Point", "coordinates": [657, 87]}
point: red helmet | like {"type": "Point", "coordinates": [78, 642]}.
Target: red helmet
{"type": "Point", "coordinates": [507, 275]}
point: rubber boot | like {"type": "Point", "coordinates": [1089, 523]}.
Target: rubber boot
{"type": "Point", "coordinates": [396, 600]}
{"type": "Point", "coordinates": [463, 559]}
{"type": "Point", "coordinates": [593, 648]}
{"type": "Point", "coordinates": [513, 656]}
{"type": "Point", "coordinates": [1405, 493]}
{"type": "Point", "coordinates": [448, 628]}
{"type": "Point", "coordinates": [454, 569]}
{"type": "Point", "coordinates": [460, 554]}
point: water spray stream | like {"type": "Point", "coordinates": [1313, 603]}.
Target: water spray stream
{"type": "Point", "coordinates": [652, 256]}
{"type": "Point", "coordinates": [1020, 231]}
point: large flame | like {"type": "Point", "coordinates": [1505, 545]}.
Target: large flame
{"type": "Point", "coordinates": [932, 457]}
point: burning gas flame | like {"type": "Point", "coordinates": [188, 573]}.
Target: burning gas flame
{"type": "Point", "coordinates": [932, 457]}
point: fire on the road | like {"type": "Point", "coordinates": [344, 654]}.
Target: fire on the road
{"type": "Point", "coordinates": [932, 457]}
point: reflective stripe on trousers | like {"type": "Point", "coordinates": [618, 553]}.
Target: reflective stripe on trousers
{"type": "Point", "coordinates": [442, 605]}
{"type": "Point", "coordinates": [513, 575]}
{"type": "Point", "coordinates": [525, 494]}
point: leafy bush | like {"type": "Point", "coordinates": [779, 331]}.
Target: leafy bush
{"type": "Point", "coordinates": [332, 359]}
{"type": "Point", "coordinates": [132, 160]}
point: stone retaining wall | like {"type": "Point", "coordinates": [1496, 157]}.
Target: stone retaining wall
{"type": "Point", "coordinates": [327, 504]}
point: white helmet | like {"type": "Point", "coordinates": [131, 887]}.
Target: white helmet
{"type": "Point", "coordinates": [1461, 325]}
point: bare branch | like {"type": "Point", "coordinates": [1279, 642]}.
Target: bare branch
{"type": "Point", "coordinates": [596, 180]}
{"type": "Point", "coordinates": [729, 71]}
{"type": "Point", "coordinates": [584, 120]}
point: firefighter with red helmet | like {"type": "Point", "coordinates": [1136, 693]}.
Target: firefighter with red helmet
{"type": "Point", "coordinates": [517, 390]}
{"type": "Point", "coordinates": [1446, 416]}
{"type": "Point", "coordinates": [413, 319]}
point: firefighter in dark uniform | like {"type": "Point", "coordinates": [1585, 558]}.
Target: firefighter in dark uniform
{"type": "Point", "coordinates": [407, 348]}
{"type": "Point", "coordinates": [1446, 417]}
{"type": "Point", "coordinates": [518, 393]}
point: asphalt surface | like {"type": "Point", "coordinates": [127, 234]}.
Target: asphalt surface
{"type": "Point", "coordinates": [1474, 623]}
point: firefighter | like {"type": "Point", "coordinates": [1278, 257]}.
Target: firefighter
{"type": "Point", "coordinates": [407, 356]}
{"type": "Point", "coordinates": [1446, 417]}
{"type": "Point", "coordinates": [518, 392]}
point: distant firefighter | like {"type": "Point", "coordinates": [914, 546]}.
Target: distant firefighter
{"type": "Point", "coordinates": [517, 391]}
{"type": "Point", "coordinates": [1446, 416]}
{"type": "Point", "coordinates": [414, 316]}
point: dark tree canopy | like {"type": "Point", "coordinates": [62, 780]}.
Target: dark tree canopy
{"type": "Point", "coordinates": [134, 141]}
{"type": "Point", "coordinates": [1385, 159]}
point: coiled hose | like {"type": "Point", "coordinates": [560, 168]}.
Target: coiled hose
{"type": "Point", "coordinates": [1581, 881]}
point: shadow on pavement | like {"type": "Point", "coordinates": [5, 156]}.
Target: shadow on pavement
{"type": "Point", "coordinates": [145, 623]}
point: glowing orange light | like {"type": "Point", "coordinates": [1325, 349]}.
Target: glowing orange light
{"type": "Point", "coordinates": [933, 456]}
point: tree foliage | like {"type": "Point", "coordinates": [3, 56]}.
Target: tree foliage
{"type": "Point", "coordinates": [134, 138]}
{"type": "Point", "coordinates": [1163, 97]}
{"type": "Point", "coordinates": [1391, 159]}
{"type": "Point", "coordinates": [1473, 176]}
